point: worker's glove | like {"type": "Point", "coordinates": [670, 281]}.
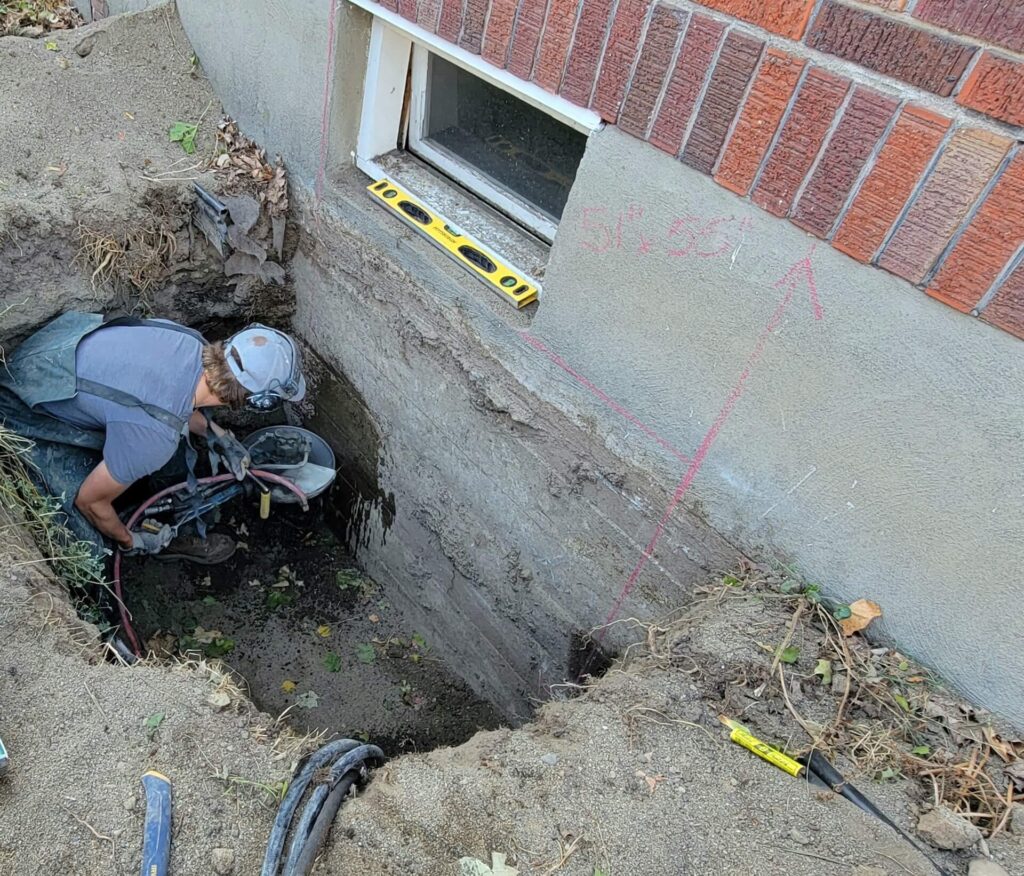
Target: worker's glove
{"type": "Point", "coordinates": [144, 542]}
{"type": "Point", "coordinates": [226, 449]}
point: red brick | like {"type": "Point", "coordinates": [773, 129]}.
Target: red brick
{"type": "Point", "coordinates": [785, 17]}
{"type": "Point", "coordinates": [996, 88]}
{"type": "Point", "coordinates": [965, 166]}
{"type": "Point", "coordinates": [905, 155]}
{"type": "Point", "coordinates": [525, 37]}
{"type": "Point", "coordinates": [390, 4]}
{"type": "Point", "coordinates": [426, 14]}
{"type": "Point", "coordinates": [450, 22]}
{"type": "Point", "coordinates": [585, 54]}
{"type": "Point", "coordinates": [987, 244]}
{"type": "Point", "coordinates": [473, 16]}
{"type": "Point", "coordinates": [627, 25]}
{"type": "Point", "coordinates": [890, 46]}
{"type": "Point", "coordinates": [997, 21]}
{"type": "Point", "coordinates": [759, 120]}
{"type": "Point", "coordinates": [891, 5]}
{"type": "Point", "coordinates": [863, 123]}
{"type": "Point", "coordinates": [407, 9]}
{"type": "Point", "coordinates": [735, 66]}
{"type": "Point", "coordinates": [651, 70]}
{"type": "Point", "coordinates": [498, 33]}
{"type": "Point", "coordinates": [1006, 309]}
{"type": "Point", "coordinates": [700, 43]}
{"type": "Point", "coordinates": [809, 121]}
{"type": "Point", "coordinates": [554, 44]}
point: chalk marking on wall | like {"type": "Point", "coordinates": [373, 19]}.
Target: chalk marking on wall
{"type": "Point", "coordinates": [790, 280]}
{"type": "Point", "coordinates": [325, 111]}
{"type": "Point", "coordinates": [540, 347]}
{"type": "Point", "coordinates": [694, 236]}
{"type": "Point", "coordinates": [791, 490]}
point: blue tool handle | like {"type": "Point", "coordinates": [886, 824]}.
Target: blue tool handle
{"type": "Point", "coordinates": [156, 837]}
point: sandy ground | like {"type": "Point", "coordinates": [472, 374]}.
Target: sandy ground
{"type": "Point", "coordinates": [76, 728]}
{"type": "Point", "coordinates": [632, 777]}
{"type": "Point", "coordinates": [84, 141]}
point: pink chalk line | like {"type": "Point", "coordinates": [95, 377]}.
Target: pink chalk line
{"type": "Point", "coordinates": [602, 395]}
{"type": "Point", "coordinates": [325, 112]}
{"type": "Point", "coordinates": [790, 281]}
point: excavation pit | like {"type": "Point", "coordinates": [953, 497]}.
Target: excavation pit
{"type": "Point", "coordinates": [310, 634]}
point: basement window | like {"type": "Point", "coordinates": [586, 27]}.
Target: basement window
{"type": "Point", "coordinates": [501, 140]}
{"type": "Point", "coordinates": [509, 153]}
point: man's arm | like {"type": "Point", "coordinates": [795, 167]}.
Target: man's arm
{"type": "Point", "coordinates": [95, 500]}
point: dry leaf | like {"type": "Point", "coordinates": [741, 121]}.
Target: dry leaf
{"type": "Point", "coordinates": [1005, 748]}
{"type": "Point", "coordinates": [1016, 772]}
{"type": "Point", "coordinates": [862, 612]}
{"type": "Point", "coordinates": [206, 637]}
{"type": "Point", "coordinates": [323, 631]}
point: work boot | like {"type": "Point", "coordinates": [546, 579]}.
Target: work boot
{"type": "Point", "coordinates": [215, 548]}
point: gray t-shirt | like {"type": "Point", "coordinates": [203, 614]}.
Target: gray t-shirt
{"type": "Point", "coordinates": [159, 367]}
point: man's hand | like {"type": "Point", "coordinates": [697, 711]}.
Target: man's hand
{"type": "Point", "coordinates": [145, 542]}
{"type": "Point", "coordinates": [94, 500]}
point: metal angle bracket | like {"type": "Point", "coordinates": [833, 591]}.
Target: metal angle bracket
{"type": "Point", "coordinates": [511, 284]}
{"type": "Point", "coordinates": [211, 217]}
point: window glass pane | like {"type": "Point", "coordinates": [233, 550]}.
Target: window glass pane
{"type": "Point", "coordinates": [517, 146]}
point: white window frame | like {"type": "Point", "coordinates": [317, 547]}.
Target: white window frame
{"type": "Point", "coordinates": [393, 43]}
{"type": "Point", "coordinates": [459, 169]}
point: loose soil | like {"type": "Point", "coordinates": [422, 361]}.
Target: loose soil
{"type": "Point", "coordinates": [298, 617]}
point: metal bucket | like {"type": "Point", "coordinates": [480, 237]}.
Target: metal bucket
{"type": "Point", "coordinates": [297, 454]}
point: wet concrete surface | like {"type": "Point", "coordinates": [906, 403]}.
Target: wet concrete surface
{"type": "Point", "coordinates": [308, 632]}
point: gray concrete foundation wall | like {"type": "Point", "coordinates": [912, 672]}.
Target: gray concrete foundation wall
{"type": "Point", "coordinates": [512, 525]}
{"type": "Point", "coordinates": [877, 448]}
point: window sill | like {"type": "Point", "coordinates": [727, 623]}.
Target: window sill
{"type": "Point", "coordinates": [495, 231]}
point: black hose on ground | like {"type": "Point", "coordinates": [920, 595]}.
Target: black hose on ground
{"type": "Point", "coordinates": [344, 756]}
{"type": "Point", "coordinates": [302, 830]}
{"type": "Point", "coordinates": [819, 766]}
{"type": "Point", "coordinates": [325, 818]}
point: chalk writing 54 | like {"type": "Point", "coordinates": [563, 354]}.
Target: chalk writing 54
{"type": "Point", "coordinates": [685, 236]}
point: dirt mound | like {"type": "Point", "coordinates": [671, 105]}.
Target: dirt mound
{"type": "Point", "coordinates": [636, 775]}
{"type": "Point", "coordinates": [81, 732]}
{"type": "Point", "coordinates": [87, 167]}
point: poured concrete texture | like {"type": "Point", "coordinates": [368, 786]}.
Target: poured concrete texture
{"type": "Point", "coordinates": [805, 407]}
{"type": "Point", "coordinates": [510, 526]}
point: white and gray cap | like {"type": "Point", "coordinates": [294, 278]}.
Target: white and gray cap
{"type": "Point", "coordinates": [266, 362]}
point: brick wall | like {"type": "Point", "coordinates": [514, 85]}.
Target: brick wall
{"type": "Point", "coordinates": [934, 197]}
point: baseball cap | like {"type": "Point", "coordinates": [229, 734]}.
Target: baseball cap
{"type": "Point", "coordinates": [266, 362]}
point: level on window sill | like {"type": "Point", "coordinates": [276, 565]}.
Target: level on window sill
{"type": "Point", "coordinates": [510, 284]}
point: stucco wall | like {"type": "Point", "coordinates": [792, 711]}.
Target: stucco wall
{"type": "Point", "coordinates": [275, 73]}
{"type": "Point", "coordinates": [878, 448]}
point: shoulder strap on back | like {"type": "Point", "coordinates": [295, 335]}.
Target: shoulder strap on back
{"type": "Point", "coordinates": [130, 401]}
{"type": "Point", "coordinates": [134, 321]}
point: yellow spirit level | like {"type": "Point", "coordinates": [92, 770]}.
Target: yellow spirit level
{"type": "Point", "coordinates": [510, 284]}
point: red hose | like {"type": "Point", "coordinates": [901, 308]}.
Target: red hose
{"type": "Point", "coordinates": [126, 623]}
